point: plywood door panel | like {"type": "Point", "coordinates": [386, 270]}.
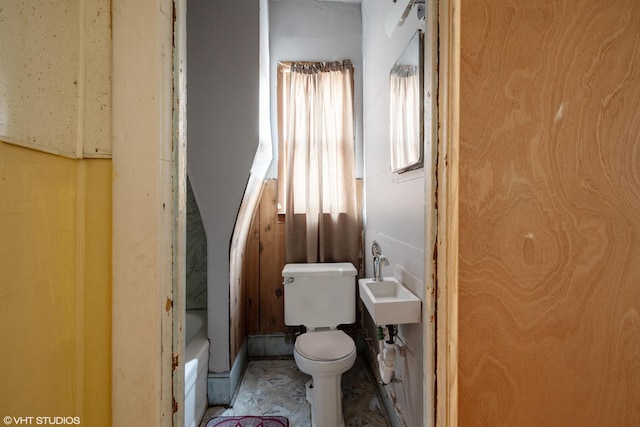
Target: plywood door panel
{"type": "Point", "coordinates": [549, 225]}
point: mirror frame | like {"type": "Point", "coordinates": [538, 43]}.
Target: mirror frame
{"type": "Point", "coordinates": [412, 56]}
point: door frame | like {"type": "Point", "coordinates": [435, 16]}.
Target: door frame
{"type": "Point", "coordinates": [447, 207]}
{"type": "Point", "coordinates": [179, 182]}
{"type": "Point", "coordinates": [144, 227]}
{"type": "Point", "coordinates": [147, 210]}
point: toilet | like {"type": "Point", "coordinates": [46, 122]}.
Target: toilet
{"type": "Point", "coordinates": [320, 297]}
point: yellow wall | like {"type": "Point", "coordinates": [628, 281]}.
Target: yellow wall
{"type": "Point", "coordinates": [55, 286]}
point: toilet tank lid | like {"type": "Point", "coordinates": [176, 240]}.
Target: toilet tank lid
{"type": "Point", "coordinates": [319, 269]}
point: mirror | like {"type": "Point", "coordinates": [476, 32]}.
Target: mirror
{"type": "Point", "coordinates": [406, 107]}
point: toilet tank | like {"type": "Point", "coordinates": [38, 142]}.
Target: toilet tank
{"type": "Point", "coordinates": [319, 295]}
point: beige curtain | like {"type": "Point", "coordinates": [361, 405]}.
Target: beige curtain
{"type": "Point", "coordinates": [404, 120]}
{"type": "Point", "coordinates": [320, 211]}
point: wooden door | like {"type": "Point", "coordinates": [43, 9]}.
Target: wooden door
{"type": "Point", "coordinates": [549, 213]}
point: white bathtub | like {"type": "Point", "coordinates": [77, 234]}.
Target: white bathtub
{"type": "Point", "coordinates": [195, 368]}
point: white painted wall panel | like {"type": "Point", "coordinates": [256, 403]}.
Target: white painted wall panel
{"type": "Point", "coordinates": [394, 203]}
{"type": "Point", "coordinates": [223, 52]}
{"type": "Point", "coordinates": [97, 92]}
{"type": "Point", "coordinates": [39, 74]}
{"type": "Point", "coordinates": [53, 54]}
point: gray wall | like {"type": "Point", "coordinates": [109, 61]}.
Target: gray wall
{"type": "Point", "coordinates": [394, 204]}
{"type": "Point", "coordinates": [222, 132]}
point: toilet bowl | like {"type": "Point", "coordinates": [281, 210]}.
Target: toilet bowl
{"type": "Point", "coordinates": [325, 355]}
{"type": "Point", "coordinates": [320, 297]}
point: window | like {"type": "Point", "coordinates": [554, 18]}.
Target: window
{"type": "Point", "coordinates": [316, 160]}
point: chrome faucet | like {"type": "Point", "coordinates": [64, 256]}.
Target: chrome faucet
{"type": "Point", "coordinates": [379, 261]}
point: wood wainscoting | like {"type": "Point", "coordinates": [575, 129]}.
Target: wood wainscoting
{"type": "Point", "coordinates": [261, 283]}
{"type": "Point", "coordinates": [262, 269]}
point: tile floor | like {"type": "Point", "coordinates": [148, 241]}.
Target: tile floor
{"type": "Point", "coordinates": [277, 387]}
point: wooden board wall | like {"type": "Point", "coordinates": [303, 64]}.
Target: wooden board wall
{"type": "Point", "coordinates": [263, 266]}
{"type": "Point", "coordinates": [263, 261]}
{"type": "Point", "coordinates": [549, 223]}
{"type": "Point", "coordinates": [251, 275]}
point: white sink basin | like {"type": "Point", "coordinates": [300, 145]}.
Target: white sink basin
{"type": "Point", "coordinates": [388, 302]}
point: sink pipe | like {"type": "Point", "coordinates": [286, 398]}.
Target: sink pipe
{"type": "Point", "coordinates": [386, 349]}
{"type": "Point", "coordinates": [386, 355]}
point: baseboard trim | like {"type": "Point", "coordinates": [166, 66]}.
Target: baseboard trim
{"type": "Point", "coordinates": [270, 345]}
{"type": "Point", "coordinates": [222, 387]}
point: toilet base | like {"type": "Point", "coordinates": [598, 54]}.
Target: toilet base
{"type": "Point", "coordinates": [326, 409]}
{"type": "Point", "coordinates": [324, 391]}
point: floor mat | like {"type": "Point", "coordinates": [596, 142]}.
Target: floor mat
{"type": "Point", "coordinates": [248, 421]}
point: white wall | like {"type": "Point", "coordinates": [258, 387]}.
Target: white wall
{"type": "Point", "coordinates": [222, 132]}
{"type": "Point", "coordinates": [394, 204]}
{"type": "Point", "coordinates": [55, 76]}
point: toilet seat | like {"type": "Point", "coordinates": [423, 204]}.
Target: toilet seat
{"type": "Point", "coordinates": [325, 345]}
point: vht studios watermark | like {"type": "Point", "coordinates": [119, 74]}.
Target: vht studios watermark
{"type": "Point", "coordinates": [42, 421]}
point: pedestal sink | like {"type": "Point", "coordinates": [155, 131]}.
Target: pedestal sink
{"type": "Point", "coordinates": [389, 302]}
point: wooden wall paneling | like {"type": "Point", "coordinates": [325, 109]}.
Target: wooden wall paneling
{"type": "Point", "coordinates": [251, 274]}
{"type": "Point", "coordinates": [242, 292]}
{"type": "Point", "coordinates": [237, 308]}
{"type": "Point", "coordinates": [263, 261]}
{"type": "Point", "coordinates": [549, 223]}
{"type": "Point", "coordinates": [272, 260]}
